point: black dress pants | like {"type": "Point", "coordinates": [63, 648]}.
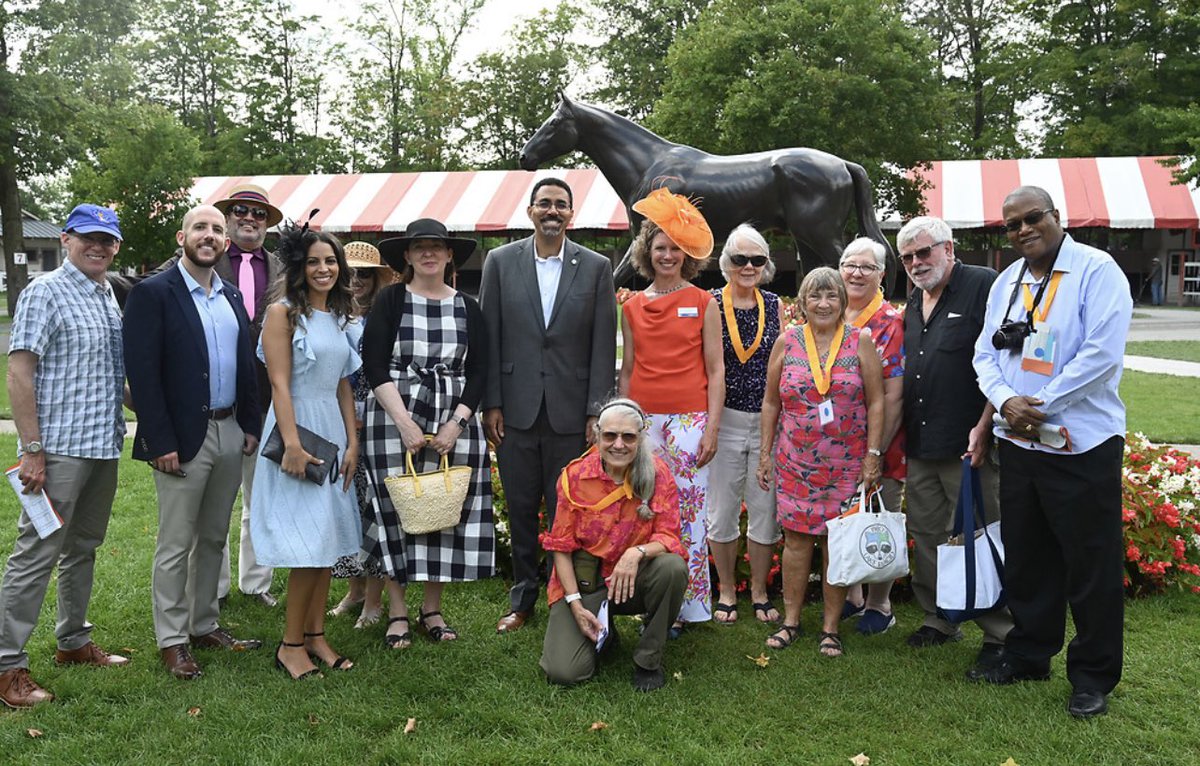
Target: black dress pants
{"type": "Point", "coordinates": [1063, 546]}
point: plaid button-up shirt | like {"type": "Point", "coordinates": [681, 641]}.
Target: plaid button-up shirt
{"type": "Point", "coordinates": [73, 324]}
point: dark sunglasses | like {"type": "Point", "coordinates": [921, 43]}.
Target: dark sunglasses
{"type": "Point", "coordinates": [107, 241]}
{"type": "Point", "coordinates": [740, 260]}
{"type": "Point", "coordinates": [1029, 219]}
{"type": "Point", "coordinates": [608, 437]}
{"type": "Point", "coordinates": [920, 254]}
{"type": "Point", "coordinates": [241, 211]}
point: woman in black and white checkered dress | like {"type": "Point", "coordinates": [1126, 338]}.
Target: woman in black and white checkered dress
{"type": "Point", "coordinates": [425, 357]}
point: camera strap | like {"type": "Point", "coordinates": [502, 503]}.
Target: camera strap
{"type": "Point", "coordinates": [1041, 291]}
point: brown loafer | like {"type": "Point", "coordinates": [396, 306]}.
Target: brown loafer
{"type": "Point", "coordinates": [223, 639]}
{"type": "Point", "coordinates": [89, 654]}
{"type": "Point", "coordinates": [512, 621]}
{"type": "Point", "coordinates": [18, 690]}
{"type": "Point", "coordinates": [180, 662]}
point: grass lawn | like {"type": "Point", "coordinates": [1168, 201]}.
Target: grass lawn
{"type": "Point", "coordinates": [1183, 350]}
{"type": "Point", "coordinates": [1164, 407]}
{"type": "Point", "coordinates": [482, 700]}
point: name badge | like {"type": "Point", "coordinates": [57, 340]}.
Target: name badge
{"type": "Point", "coordinates": [825, 412]}
{"type": "Point", "coordinates": [1038, 353]}
{"type": "Point", "coordinates": [689, 311]}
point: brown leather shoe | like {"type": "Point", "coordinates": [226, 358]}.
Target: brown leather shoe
{"type": "Point", "coordinates": [512, 621]}
{"type": "Point", "coordinates": [89, 654]}
{"type": "Point", "coordinates": [18, 690]}
{"type": "Point", "coordinates": [222, 639]}
{"type": "Point", "coordinates": [180, 662]}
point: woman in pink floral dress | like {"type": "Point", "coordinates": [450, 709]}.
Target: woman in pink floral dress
{"type": "Point", "coordinates": [822, 425]}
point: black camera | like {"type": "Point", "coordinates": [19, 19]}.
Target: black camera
{"type": "Point", "coordinates": [1011, 335]}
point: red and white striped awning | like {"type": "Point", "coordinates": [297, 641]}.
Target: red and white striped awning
{"type": "Point", "coordinates": [1112, 192]}
{"type": "Point", "coordinates": [1115, 192]}
{"type": "Point", "coordinates": [480, 201]}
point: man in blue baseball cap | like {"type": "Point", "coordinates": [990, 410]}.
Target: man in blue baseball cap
{"type": "Point", "coordinates": [66, 380]}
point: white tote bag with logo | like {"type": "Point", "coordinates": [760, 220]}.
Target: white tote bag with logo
{"type": "Point", "coordinates": [867, 542]}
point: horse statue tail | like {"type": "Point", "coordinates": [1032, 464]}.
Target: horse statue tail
{"type": "Point", "coordinates": [868, 224]}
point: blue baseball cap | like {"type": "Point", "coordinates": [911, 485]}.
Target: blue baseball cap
{"type": "Point", "coordinates": [87, 218]}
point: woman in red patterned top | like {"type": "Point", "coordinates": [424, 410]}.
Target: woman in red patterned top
{"type": "Point", "coordinates": [615, 541]}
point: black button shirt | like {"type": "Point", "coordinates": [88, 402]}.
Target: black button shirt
{"type": "Point", "coordinates": [942, 400]}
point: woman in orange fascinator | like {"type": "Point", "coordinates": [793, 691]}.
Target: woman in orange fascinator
{"type": "Point", "coordinates": [673, 366]}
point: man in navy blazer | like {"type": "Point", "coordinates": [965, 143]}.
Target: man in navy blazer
{"type": "Point", "coordinates": [192, 379]}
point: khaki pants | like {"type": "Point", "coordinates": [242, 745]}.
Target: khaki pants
{"type": "Point", "coordinates": [569, 657]}
{"type": "Point", "coordinates": [252, 577]}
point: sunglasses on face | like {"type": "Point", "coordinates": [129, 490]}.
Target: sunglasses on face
{"type": "Point", "coordinates": [919, 254]}
{"type": "Point", "coordinates": [106, 241]}
{"type": "Point", "coordinates": [561, 205]}
{"type": "Point", "coordinates": [608, 437]}
{"type": "Point", "coordinates": [241, 211]}
{"type": "Point", "coordinates": [1029, 219]}
{"type": "Point", "coordinates": [741, 259]}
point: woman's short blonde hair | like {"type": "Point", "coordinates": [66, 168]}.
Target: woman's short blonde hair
{"type": "Point", "coordinates": [823, 278]}
{"type": "Point", "coordinates": [640, 255]}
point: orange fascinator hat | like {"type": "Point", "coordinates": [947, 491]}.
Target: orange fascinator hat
{"type": "Point", "coordinates": [680, 219]}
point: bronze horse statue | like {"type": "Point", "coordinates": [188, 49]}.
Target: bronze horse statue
{"type": "Point", "coordinates": [806, 192]}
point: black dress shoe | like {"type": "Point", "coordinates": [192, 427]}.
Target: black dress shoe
{"type": "Point", "coordinates": [990, 655]}
{"type": "Point", "coordinates": [1006, 672]}
{"type": "Point", "coordinates": [1086, 704]}
{"type": "Point", "coordinates": [925, 636]}
{"type": "Point", "coordinates": [648, 680]}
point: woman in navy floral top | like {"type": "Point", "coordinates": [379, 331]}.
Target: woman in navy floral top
{"type": "Point", "coordinates": [750, 319]}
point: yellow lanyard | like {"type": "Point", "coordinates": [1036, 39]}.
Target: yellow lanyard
{"type": "Point", "coordinates": [869, 311]}
{"type": "Point", "coordinates": [626, 490]}
{"type": "Point", "coordinates": [1044, 309]}
{"type": "Point", "coordinates": [735, 337]}
{"type": "Point", "coordinates": [822, 378]}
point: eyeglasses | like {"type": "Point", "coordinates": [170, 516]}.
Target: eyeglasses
{"type": "Point", "coordinates": [1029, 219]}
{"type": "Point", "coordinates": [106, 241]}
{"type": "Point", "coordinates": [561, 205]}
{"type": "Point", "coordinates": [866, 269]}
{"type": "Point", "coordinates": [241, 211]}
{"type": "Point", "coordinates": [608, 437]}
{"type": "Point", "coordinates": [741, 259]}
{"type": "Point", "coordinates": [920, 254]}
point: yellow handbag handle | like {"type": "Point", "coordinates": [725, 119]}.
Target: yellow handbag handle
{"type": "Point", "coordinates": [413, 471]}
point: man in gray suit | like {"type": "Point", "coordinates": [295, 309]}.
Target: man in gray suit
{"type": "Point", "coordinates": [551, 316]}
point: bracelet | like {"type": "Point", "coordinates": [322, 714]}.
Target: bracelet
{"type": "Point", "coordinates": [571, 598]}
{"type": "Point", "coordinates": [875, 452]}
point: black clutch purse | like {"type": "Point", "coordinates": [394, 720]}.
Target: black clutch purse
{"type": "Point", "coordinates": [317, 446]}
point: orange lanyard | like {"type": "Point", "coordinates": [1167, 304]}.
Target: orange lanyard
{"type": "Point", "coordinates": [625, 490]}
{"type": "Point", "coordinates": [735, 337]}
{"type": "Point", "coordinates": [822, 378]}
{"type": "Point", "coordinates": [1044, 309]}
{"type": "Point", "coordinates": [869, 311]}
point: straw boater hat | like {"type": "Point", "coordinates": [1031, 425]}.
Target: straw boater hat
{"type": "Point", "coordinates": [680, 219]}
{"type": "Point", "coordinates": [393, 249]}
{"type": "Point", "coordinates": [250, 194]}
{"type": "Point", "coordinates": [363, 255]}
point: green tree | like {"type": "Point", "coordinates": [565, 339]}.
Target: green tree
{"type": "Point", "coordinates": [509, 94]}
{"type": "Point", "coordinates": [637, 36]}
{"type": "Point", "coordinates": [145, 169]}
{"type": "Point", "coordinates": [845, 76]}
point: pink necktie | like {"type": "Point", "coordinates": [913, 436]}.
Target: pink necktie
{"type": "Point", "coordinates": [246, 283]}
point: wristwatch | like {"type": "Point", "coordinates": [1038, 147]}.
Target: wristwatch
{"type": "Point", "coordinates": [571, 598]}
{"type": "Point", "coordinates": [460, 420]}
{"type": "Point", "coordinates": [33, 447]}
{"type": "Point", "coordinates": [642, 550]}
{"type": "Point", "coordinates": [875, 452]}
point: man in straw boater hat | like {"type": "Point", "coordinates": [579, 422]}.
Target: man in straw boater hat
{"type": "Point", "coordinates": [552, 321]}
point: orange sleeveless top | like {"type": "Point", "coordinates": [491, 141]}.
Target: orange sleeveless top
{"type": "Point", "coordinates": [668, 351]}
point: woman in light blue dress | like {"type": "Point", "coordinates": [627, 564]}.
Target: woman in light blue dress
{"type": "Point", "coordinates": [309, 349]}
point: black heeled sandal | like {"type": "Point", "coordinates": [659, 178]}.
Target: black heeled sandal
{"type": "Point", "coordinates": [314, 673]}
{"type": "Point", "coordinates": [436, 633]}
{"type": "Point", "coordinates": [341, 663]}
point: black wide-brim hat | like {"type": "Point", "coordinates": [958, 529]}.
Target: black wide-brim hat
{"type": "Point", "coordinates": [392, 250]}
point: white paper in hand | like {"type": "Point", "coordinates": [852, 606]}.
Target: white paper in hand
{"type": "Point", "coordinates": [37, 507]}
{"type": "Point", "coordinates": [602, 616]}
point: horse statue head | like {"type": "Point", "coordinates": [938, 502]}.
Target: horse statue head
{"type": "Point", "coordinates": [557, 136]}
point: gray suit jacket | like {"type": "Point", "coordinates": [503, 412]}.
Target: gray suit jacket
{"type": "Point", "coordinates": [570, 365]}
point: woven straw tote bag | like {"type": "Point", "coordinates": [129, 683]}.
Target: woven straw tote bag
{"type": "Point", "coordinates": [429, 502]}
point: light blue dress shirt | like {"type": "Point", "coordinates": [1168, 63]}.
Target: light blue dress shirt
{"type": "Point", "coordinates": [549, 274]}
{"type": "Point", "coordinates": [1090, 319]}
{"type": "Point", "coordinates": [220, 336]}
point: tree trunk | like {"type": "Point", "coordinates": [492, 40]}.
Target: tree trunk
{"type": "Point", "coordinates": [14, 240]}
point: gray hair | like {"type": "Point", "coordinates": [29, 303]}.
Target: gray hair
{"type": "Point", "coordinates": [937, 229]}
{"type": "Point", "coordinates": [746, 234]}
{"type": "Point", "coordinates": [641, 470]}
{"type": "Point", "coordinates": [822, 278]}
{"type": "Point", "coordinates": [866, 245]}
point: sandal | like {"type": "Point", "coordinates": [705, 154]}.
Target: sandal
{"type": "Point", "coordinates": [830, 645]}
{"type": "Point", "coordinates": [436, 633]}
{"type": "Point", "coordinates": [730, 612]}
{"type": "Point", "coordinates": [345, 606]}
{"type": "Point", "coordinates": [314, 673]}
{"type": "Point", "coordinates": [675, 631]}
{"type": "Point", "coordinates": [368, 618]}
{"type": "Point", "coordinates": [341, 663]}
{"type": "Point", "coordinates": [398, 640]}
{"type": "Point", "coordinates": [764, 608]}
{"type": "Point", "coordinates": [784, 637]}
